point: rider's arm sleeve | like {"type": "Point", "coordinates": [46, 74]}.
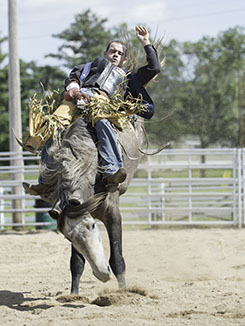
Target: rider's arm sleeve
{"type": "Point", "coordinates": [153, 67]}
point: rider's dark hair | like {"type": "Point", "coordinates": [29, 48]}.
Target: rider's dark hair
{"type": "Point", "coordinates": [120, 42]}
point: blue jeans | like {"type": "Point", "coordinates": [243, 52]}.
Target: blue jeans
{"type": "Point", "coordinates": [109, 152]}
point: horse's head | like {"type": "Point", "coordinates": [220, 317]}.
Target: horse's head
{"type": "Point", "coordinates": [79, 227]}
{"type": "Point", "coordinates": [71, 173]}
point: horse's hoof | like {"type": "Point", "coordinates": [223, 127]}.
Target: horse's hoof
{"type": "Point", "coordinates": [121, 281]}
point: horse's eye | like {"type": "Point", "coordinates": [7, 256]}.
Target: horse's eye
{"type": "Point", "coordinates": [93, 226]}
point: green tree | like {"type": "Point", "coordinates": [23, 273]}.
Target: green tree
{"type": "Point", "coordinates": [210, 101]}
{"type": "Point", "coordinates": [167, 92]}
{"type": "Point", "coordinates": [233, 41]}
{"type": "Point", "coordinates": [4, 121]}
{"type": "Point", "coordinates": [200, 81]}
{"type": "Point", "coordinates": [85, 39]}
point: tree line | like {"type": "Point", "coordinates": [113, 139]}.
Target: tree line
{"type": "Point", "coordinates": [199, 92]}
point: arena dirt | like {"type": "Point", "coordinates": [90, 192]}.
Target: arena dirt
{"type": "Point", "coordinates": [175, 277]}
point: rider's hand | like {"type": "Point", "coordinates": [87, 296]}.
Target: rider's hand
{"type": "Point", "coordinates": [142, 35]}
{"type": "Point", "coordinates": [75, 95]}
{"type": "Point", "coordinates": [71, 94]}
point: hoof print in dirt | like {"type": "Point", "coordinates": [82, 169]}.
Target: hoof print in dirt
{"type": "Point", "coordinates": [72, 298]}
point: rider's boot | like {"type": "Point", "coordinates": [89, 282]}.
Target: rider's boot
{"type": "Point", "coordinates": [112, 181]}
{"type": "Point", "coordinates": [35, 190]}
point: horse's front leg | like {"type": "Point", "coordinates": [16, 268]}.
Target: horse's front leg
{"type": "Point", "coordinates": [77, 263]}
{"type": "Point", "coordinates": [113, 223]}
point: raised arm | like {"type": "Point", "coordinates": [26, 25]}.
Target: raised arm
{"type": "Point", "coordinates": [142, 35]}
{"type": "Point", "coordinates": [153, 67]}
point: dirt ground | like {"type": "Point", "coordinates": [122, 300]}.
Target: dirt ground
{"type": "Point", "coordinates": [174, 276]}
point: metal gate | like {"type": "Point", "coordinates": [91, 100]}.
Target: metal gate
{"type": "Point", "coordinates": [174, 187]}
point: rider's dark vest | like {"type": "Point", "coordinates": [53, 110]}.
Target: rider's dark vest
{"type": "Point", "coordinates": [104, 75]}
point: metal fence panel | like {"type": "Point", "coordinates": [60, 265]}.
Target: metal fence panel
{"type": "Point", "coordinates": [174, 187]}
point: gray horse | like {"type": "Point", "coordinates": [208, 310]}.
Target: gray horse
{"type": "Point", "coordinates": [79, 197]}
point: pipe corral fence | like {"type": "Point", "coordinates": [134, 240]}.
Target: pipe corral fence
{"type": "Point", "coordinates": [174, 187]}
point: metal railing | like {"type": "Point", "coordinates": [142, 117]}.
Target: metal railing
{"type": "Point", "coordinates": [200, 186]}
{"type": "Point", "coordinates": [174, 187]}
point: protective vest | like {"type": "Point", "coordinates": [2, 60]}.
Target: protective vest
{"type": "Point", "coordinates": [105, 76]}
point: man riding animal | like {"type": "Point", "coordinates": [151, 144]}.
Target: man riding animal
{"type": "Point", "coordinates": [102, 77]}
{"type": "Point", "coordinates": [75, 163]}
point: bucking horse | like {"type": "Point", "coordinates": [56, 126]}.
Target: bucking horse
{"type": "Point", "coordinates": [79, 197]}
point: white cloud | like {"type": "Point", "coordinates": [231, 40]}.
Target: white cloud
{"type": "Point", "coordinates": [39, 19]}
{"type": "Point", "coordinates": [134, 12]}
{"type": "Point", "coordinates": [148, 12]}
{"type": "Point", "coordinates": [51, 3]}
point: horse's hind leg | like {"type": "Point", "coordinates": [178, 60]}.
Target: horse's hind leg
{"type": "Point", "coordinates": [77, 263]}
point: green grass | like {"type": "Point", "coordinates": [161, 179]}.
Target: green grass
{"type": "Point", "coordinates": [195, 173]}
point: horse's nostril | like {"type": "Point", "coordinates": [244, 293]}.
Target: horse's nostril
{"type": "Point", "coordinates": [108, 268]}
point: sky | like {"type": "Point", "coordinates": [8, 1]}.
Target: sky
{"type": "Point", "coordinates": [183, 20]}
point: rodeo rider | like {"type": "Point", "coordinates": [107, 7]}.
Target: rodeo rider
{"type": "Point", "coordinates": [103, 76]}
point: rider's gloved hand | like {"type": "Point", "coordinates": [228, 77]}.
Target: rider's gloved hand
{"type": "Point", "coordinates": [71, 94]}
{"type": "Point", "coordinates": [81, 100]}
{"type": "Point", "coordinates": [75, 95]}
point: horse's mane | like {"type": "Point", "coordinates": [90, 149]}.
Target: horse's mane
{"type": "Point", "coordinates": [73, 162]}
{"type": "Point", "coordinates": [72, 169]}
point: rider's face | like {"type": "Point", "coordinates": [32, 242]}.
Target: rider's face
{"type": "Point", "coordinates": [116, 54]}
